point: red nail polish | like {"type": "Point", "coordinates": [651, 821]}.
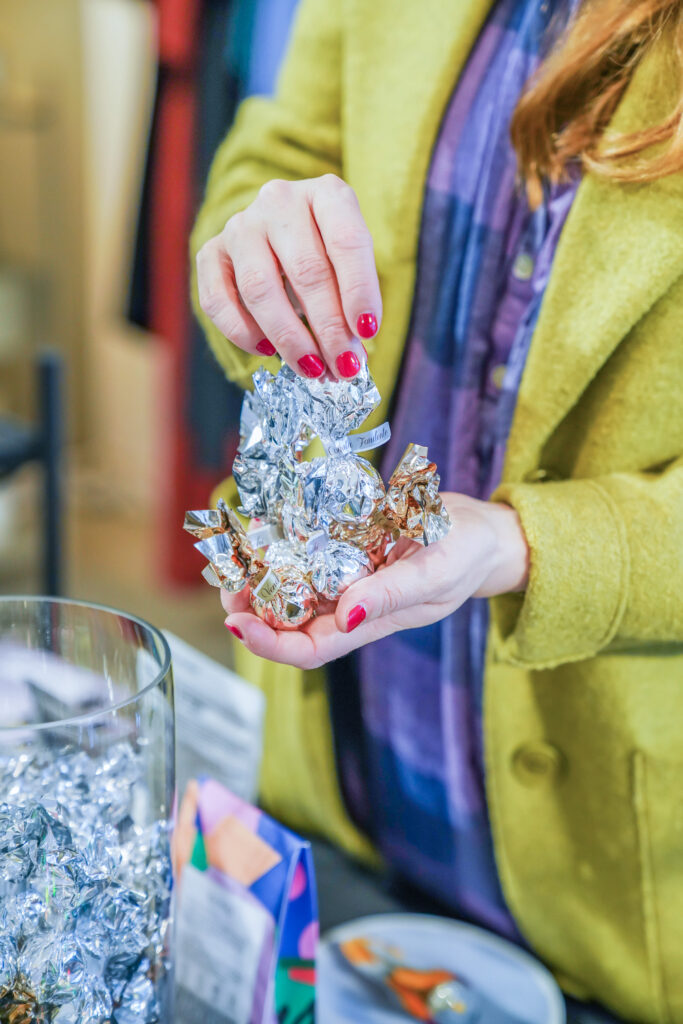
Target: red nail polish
{"type": "Point", "coordinates": [235, 631]}
{"type": "Point", "coordinates": [348, 364]}
{"type": "Point", "coordinates": [312, 366]}
{"type": "Point", "coordinates": [265, 347]}
{"type": "Point", "coordinates": [356, 616]}
{"type": "Point", "coordinates": [367, 325]}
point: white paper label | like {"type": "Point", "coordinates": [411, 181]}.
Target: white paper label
{"type": "Point", "coordinates": [362, 442]}
{"type": "Point", "coordinates": [268, 587]}
{"type": "Point", "coordinates": [262, 536]}
{"type": "Point", "coordinates": [316, 542]}
{"type": "Point", "coordinates": [219, 939]}
{"type": "Point", "coordinates": [219, 722]}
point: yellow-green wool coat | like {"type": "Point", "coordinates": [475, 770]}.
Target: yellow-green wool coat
{"type": "Point", "coordinates": [584, 678]}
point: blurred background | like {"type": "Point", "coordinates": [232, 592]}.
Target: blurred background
{"type": "Point", "coordinates": [114, 418]}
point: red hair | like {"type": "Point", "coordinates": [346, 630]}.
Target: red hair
{"type": "Point", "coordinates": [562, 115]}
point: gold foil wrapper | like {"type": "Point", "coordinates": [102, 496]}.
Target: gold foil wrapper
{"type": "Point", "coordinates": [413, 506]}
{"type": "Point", "coordinates": [288, 600]}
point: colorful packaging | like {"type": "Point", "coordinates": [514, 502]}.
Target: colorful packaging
{"type": "Point", "coordinates": [247, 920]}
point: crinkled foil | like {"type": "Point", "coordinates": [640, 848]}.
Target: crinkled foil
{"type": "Point", "coordinates": [339, 489]}
{"type": "Point", "coordinates": [333, 408]}
{"type": "Point", "coordinates": [284, 553]}
{"type": "Point", "coordinates": [294, 602]}
{"type": "Point", "coordinates": [84, 890]}
{"type": "Point", "coordinates": [206, 522]}
{"type": "Point", "coordinates": [337, 520]}
{"type": "Point", "coordinates": [413, 505]}
{"type": "Point", "coordinates": [272, 432]}
{"type": "Point", "coordinates": [336, 566]}
{"type": "Point", "coordinates": [282, 415]}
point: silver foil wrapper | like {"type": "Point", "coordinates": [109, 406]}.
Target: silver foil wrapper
{"type": "Point", "coordinates": [272, 431]}
{"type": "Point", "coordinates": [340, 489]}
{"type": "Point", "coordinates": [284, 553]}
{"type": "Point", "coordinates": [336, 566]}
{"type": "Point", "coordinates": [84, 890]}
{"type": "Point", "coordinates": [331, 408]}
{"type": "Point", "coordinates": [281, 412]}
{"type": "Point", "coordinates": [335, 516]}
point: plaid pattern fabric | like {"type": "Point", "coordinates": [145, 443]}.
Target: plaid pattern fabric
{"type": "Point", "coordinates": [484, 260]}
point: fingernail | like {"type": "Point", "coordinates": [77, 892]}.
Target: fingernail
{"type": "Point", "coordinates": [235, 631]}
{"type": "Point", "coordinates": [348, 364]}
{"type": "Point", "coordinates": [356, 616]}
{"type": "Point", "coordinates": [265, 347]}
{"type": "Point", "coordinates": [367, 325]}
{"type": "Point", "coordinates": [312, 366]}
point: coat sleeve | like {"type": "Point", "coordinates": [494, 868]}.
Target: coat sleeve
{"type": "Point", "coordinates": [606, 570]}
{"type": "Point", "coordinates": [294, 135]}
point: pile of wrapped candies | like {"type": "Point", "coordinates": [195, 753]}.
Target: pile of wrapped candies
{"type": "Point", "coordinates": [84, 892]}
{"type": "Point", "coordinates": [321, 524]}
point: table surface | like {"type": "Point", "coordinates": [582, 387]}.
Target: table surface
{"type": "Point", "coordinates": [347, 891]}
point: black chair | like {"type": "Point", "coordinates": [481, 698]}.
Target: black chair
{"type": "Point", "coordinates": [21, 443]}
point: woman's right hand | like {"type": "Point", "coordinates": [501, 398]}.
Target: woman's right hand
{"type": "Point", "coordinates": [311, 233]}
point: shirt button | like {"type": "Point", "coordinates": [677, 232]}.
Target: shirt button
{"type": "Point", "coordinates": [498, 375]}
{"type": "Point", "coordinates": [536, 764]}
{"type": "Point", "coordinates": [523, 267]}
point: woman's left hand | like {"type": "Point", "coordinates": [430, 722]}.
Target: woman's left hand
{"type": "Point", "coordinates": [484, 553]}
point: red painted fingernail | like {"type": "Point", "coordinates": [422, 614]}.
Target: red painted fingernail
{"type": "Point", "coordinates": [266, 348]}
{"type": "Point", "coordinates": [356, 616]}
{"type": "Point", "coordinates": [348, 364]}
{"type": "Point", "coordinates": [235, 631]}
{"type": "Point", "coordinates": [367, 325]}
{"type": "Point", "coordinates": [312, 366]}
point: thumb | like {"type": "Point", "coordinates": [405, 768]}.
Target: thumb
{"type": "Point", "coordinates": [392, 588]}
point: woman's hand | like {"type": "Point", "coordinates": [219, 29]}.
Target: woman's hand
{"type": "Point", "coordinates": [313, 234]}
{"type": "Point", "coordinates": [485, 553]}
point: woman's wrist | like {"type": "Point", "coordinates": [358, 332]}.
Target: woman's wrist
{"type": "Point", "coordinates": [510, 572]}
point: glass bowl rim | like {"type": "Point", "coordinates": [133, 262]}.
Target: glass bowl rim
{"type": "Point", "coordinates": [89, 716]}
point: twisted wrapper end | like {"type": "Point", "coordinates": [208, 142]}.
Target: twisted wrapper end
{"type": "Point", "coordinates": [224, 543]}
{"type": "Point", "coordinates": [413, 506]}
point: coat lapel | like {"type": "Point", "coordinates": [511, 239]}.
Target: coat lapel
{"type": "Point", "coordinates": [621, 249]}
{"type": "Point", "coordinates": [421, 48]}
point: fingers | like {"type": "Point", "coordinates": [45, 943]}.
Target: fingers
{"type": "Point", "coordinates": [219, 299]}
{"type": "Point", "coordinates": [233, 603]}
{"type": "Point", "coordinates": [391, 592]}
{"type": "Point", "coordinates": [314, 233]}
{"type": "Point", "coordinates": [348, 244]}
{"type": "Point", "coordinates": [288, 647]}
{"type": "Point", "coordinates": [262, 293]}
{"type": "Point", "coordinates": [303, 259]}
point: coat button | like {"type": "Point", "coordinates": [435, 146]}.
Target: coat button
{"type": "Point", "coordinates": [541, 475]}
{"type": "Point", "coordinates": [523, 267]}
{"type": "Point", "coordinates": [535, 764]}
{"type": "Point", "coordinates": [498, 375]}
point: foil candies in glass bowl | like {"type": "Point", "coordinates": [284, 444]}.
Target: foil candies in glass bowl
{"type": "Point", "coordinates": [318, 525]}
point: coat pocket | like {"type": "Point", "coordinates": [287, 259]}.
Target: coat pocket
{"type": "Point", "coordinates": [658, 803]}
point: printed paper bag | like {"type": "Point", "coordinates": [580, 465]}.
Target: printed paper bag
{"type": "Point", "coordinates": [247, 924]}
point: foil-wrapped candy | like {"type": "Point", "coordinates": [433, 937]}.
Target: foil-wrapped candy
{"type": "Point", "coordinates": [84, 922]}
{"type": "Point", "coordinates": [271, 431]}
{"type": "Point", "coordinates": [339, 489]}
{"type": "Point", "coordinates": [413, 506]}
{"type": "Point", "coordinates": [284, 597]}
{"type": "Point", "coordinates": [336, 566]}
{"type": "Point", "coordinates": [332, 408]}
{"type": "Point", "coordinates": [329, 521]}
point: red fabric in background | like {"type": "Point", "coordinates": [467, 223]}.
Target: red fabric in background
{"type": "Point", "coordinates": [173, 190]}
